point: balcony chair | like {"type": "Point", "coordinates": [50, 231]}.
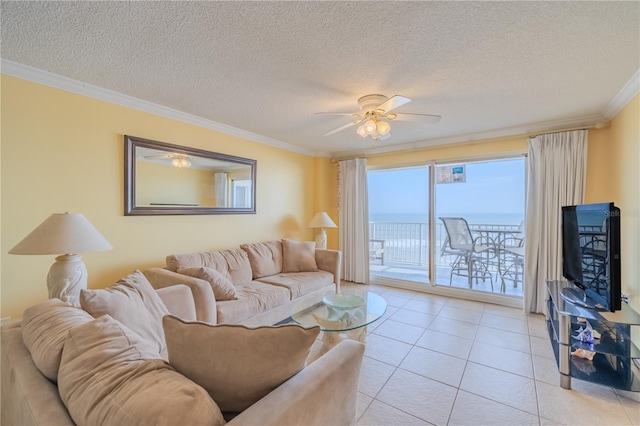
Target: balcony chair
{"type": "Point", "coordinates": [376, 250]}
{"type": "Point", "coordinates": [472, 254]}
{"type": "Point", "coordinates": [511, 256]}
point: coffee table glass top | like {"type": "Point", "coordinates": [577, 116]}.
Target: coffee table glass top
{"type": "Point", "coordinates": [356, 309]}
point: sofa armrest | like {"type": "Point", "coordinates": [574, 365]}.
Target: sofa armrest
{"type": "Point", "coordinates": [179, 301]}
{"type": "Point", "coordinates": [324, 393]}
{"type": "Point", "coordinates": [203, 298]}
{"type": "Point", "coordinates": [330, 261]}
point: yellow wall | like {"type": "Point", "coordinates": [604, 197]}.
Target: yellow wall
{"type": "Point", "coordinates": [64, 152]}
{"type": "Point", "coordinates": [622, 174]}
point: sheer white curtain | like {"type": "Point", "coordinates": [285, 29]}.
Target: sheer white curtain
{"type": "Point", "coordinates": [220, 182]}
{"type": "Point", "coordinates": [557, 175]}
{"type": "Point", "coordinates": [354, 220]}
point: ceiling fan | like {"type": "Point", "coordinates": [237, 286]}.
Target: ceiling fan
{"type": "Point", "coordinates": [376, 111]}
{"type": "Point", "coordinates": [177, 160]}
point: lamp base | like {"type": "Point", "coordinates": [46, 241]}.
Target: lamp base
{"type": "Point", "coordinates": [66, 278]}
{"type": "Point", "coordinates": [321, 239]}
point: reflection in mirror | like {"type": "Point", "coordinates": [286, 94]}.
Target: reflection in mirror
{"type": "Point", "coordinates": [165, 179]}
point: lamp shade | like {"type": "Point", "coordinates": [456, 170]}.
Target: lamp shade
{"type": "Point", "coordinates": [63, 233]}
{"type": "Point", "coordinates": [322, 220]}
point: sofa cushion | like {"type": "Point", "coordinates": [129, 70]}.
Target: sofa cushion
{"type": "Point", "coordinates": [133, 302]}
{"type": "Point", "coordinates": [110, 375]}
{"type": "Point", "coordinates": [44, 330]}
{"type": "Point", "coordinates": [223, 289]}
{"type": "Point", "coordinates": [237, 365]}
{"type": "Point", "coordinates": [253, 297]}
{"type": "Point", "coordinates": [300, 283]}
{"type": "Point", "coordinates": [232, 264]}
{"type": "Point", "coordinates": [298, 256]}
{"type": "Point", "coordinates": [265, 258]}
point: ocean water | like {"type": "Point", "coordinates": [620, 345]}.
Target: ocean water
{"type": "Point", "coordinates": [472, 218]}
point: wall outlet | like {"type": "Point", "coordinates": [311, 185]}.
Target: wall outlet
{"type": "Point", "coordinates": [625, 298]}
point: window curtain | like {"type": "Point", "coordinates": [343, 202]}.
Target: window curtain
{"type": "Point", "coordinates": [557, 176]}
{"type": "Point", "coordinates": [220, 182]}
{"type": "Point", "coordinates": [354, 220]}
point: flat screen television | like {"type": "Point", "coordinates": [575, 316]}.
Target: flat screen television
{"type": "Point", "coordinates": [591, 255]}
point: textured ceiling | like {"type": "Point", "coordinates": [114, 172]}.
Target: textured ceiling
{"type": "Point", "coordinates": [267, 67]}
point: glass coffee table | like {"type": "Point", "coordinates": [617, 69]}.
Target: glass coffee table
{"type": "Point", "coordinates": [343, 316]}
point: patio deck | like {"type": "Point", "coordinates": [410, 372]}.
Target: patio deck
{"type": "Point", "coordinates": [415, 273]}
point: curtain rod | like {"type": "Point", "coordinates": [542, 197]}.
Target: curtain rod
{"type": "Point", "coordinates": [593, 126]}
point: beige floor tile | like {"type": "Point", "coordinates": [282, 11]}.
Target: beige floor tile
{"type": "Point", "coordinates": [435, 298]}
{"type": "Point", "coordinates": [505, 323]}
{"type": "Point", "coordinates": [541, 346]}
{"type": "Point", "coordinates": [373, 375]}
{"type": "Point", "coordinates": [474, 410]}
{"type": "Point", "coordinates": [466, 304]}
{"type": "Point", "coordinates": [399, 331]}
{"type": "Point", "coordinates": [362, 404]}
{"type": "Point", "coordinates": [454, 327]}
{"type": "Point", "coordinates": [407, 316]}
{"type": "Point", "coordinates": [399, 292]}
{"type": "Point", "coordinates": [547, 422]}
{"type": "Point", "coordinates": [381, 414]}
{"type": "Point", "coordinates": [393, 300]}
{"type": "Point", "coordinates": [425, 306]}
{"type": "Point", "coordinates": [506, 388]}
{"type": "Point", "coordinates": [505, 339]}
{"type": "Point", "coordinates": [421, 397]}
{"type": "Point", "coordinates": [435, 365]}
{"type": "Point", "coordinates": [386, 350]}
{"type": "Point", "coordinates": [546, 370]}
{"type": "Point", "coordinates": [561, 405]}
{"type": "Point", "coordinates": [632, 408]}
{"type": "Point", "coordinates": [446, 343]}
{"type": "Point", "coordinates": [538, 329]}
{"type": "Point", "coordinates": [501, 358]}
{"type": "Point", "coordinates": [461, 314]}
{"type": "Point", "coordinates": [505, 311]}
{"type": "Point", "coordinates": [536, 318]}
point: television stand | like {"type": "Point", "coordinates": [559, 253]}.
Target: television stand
{"type": "Point", "coordinates": [615, 362]}
{"type": "Point", "coordinates": [579, 297]}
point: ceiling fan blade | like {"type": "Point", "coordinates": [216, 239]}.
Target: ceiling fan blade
{"type": "Point", "coordinates": [342, 127]}
{"type": "Point", "coordinates": [354, 114]}
{"type": "Point", "coordinates": [393, 103]}
{"type": "Point", "coordinates": [425, 118]}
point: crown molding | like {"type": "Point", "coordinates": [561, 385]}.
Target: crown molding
{"type": "Point", "coordinates": [624, 96]}
{"type": "Point", "coordinates": [506, 132]}
{"type": "Point", "coordinates": [70, 85]}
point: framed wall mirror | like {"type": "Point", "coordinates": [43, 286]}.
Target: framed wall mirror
{"type": "Point", "coordinates": [166, 179]}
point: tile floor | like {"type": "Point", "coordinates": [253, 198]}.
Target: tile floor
{"type": "Point", "coordinates": [445, 361]}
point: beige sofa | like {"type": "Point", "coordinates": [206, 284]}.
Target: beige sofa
{"type": "Point", "coordinates": [271, 280]}
{"type": "Point", "coordinates": [323, 393]}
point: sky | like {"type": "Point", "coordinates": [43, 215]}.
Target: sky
{"type": "Point", "coordinates": [491, 187]}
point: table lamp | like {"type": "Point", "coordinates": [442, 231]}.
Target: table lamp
{"type": "Point", "coordinates": [68, 233]}
{"type": "Point", "coordinates": [321, 220]}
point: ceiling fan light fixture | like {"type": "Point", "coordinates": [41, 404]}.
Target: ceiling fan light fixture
{"type": "Point", "coordinates": [383, 127]}
{"type": "Point", "coordinates": [362, 131]}
{"type": "Point", "coordinates": [370, 126]}
{"type": "Point", "coordinates": [180, 162]}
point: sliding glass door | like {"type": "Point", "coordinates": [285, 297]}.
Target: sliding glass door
{"type": "Point", "coordinates": [483, 202]}
{"type": "Point", "coordinates": [399, 223]}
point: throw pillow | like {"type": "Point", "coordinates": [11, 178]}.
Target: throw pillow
{"type": "Point", "coordinates": [223, 289]}
{"type": "Point", "coordinates": [132, 301]}
{"type": "Point", "coordinates": [265, 258]}
{"type": "Point", "coordinates": [298, 256]}
{"type": "Point", "coordinates": [44, 330]}
{"type": "Point", "coordinates": [237, 365]}
{"type": "Point", "coordinates": [110, 375]}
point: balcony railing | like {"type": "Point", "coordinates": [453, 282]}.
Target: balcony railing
{"type": "Point", "coordinates": [409, 242]}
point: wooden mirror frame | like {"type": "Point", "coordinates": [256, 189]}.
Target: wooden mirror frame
{"type": "Point", "coordinates": [130, 207]}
